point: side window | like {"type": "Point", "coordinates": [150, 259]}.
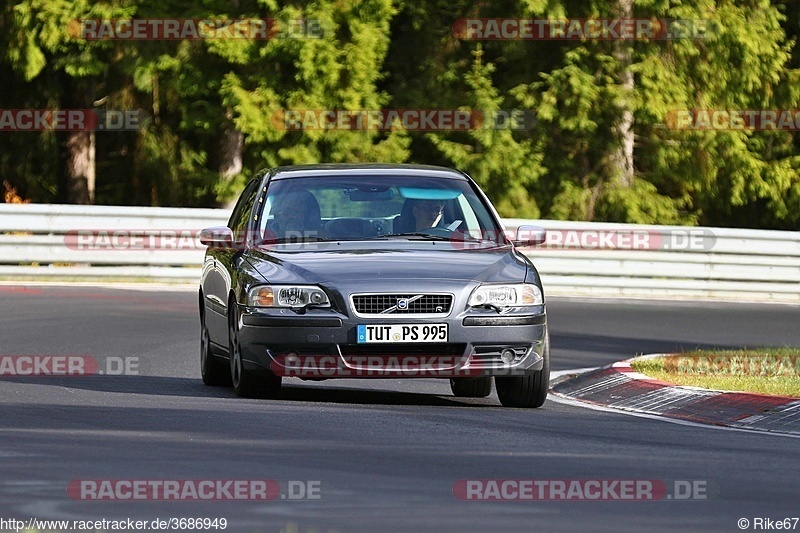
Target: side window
{"type": "Point", "coordinates": [244, 207]}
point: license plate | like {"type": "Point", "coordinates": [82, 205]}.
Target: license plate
{"type": "Point", "coordinates": [391, 333]}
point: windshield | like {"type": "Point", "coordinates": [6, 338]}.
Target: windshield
{"type": "Point", "coordinates": [380, 207]}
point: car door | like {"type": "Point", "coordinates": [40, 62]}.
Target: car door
{"type": "Point", "coordinates": [220, 264]}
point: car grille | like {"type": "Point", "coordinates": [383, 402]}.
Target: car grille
{"type": "Point", "coordinates": [437, 355]}
{"type": "Point", "coordinates": [402, 304]}
{"type": "Point", "coordinates": [395, 350]}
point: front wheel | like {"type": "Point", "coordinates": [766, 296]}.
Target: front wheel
{"type": "Point", "coordinates": [246, 383]}
{"type": "Point", "coordinates": [213, 371]}
{"type": "Point", "coordinates": [526, 391]}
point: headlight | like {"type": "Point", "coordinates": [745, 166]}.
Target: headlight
{"type": "Point", "coordinates": [514, 295]}
{"type": "Point", "coordinates": [287, 296]}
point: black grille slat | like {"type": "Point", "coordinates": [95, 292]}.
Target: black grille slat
{"type": "Point", "coordinates": [398, 350]}
{"type": "Point", "coordinates": [375, 304]}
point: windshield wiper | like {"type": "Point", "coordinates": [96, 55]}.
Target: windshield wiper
{"type": "Point", "coordinates": [291, 240]}
{"type": "Point", "coordinates": [427, 236]}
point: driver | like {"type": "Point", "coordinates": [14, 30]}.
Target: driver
{"type": "Point", "coordinates": [296, 215]}
{"type": "Point", "coordinates": [427, 213]}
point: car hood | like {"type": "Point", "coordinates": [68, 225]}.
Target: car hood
{"type": "Point", "coordinates": [345, 263]}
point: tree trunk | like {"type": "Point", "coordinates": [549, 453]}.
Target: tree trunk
{"type": "Point", "coordinates": [230, 154]}
{"type": "Point", "coordinates": [622, 159]}
{"type": "Point", "coordinates": [76, 161]}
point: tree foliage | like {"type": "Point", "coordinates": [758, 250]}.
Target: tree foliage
{"type": "Point", "coordinates": [215, 106]}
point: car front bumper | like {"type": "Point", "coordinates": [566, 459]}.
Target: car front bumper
{"type": "Point", "coordinates": [321, 344]}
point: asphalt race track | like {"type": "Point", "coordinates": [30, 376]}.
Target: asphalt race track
{"type": "Point", "coordinates": [384, 454]}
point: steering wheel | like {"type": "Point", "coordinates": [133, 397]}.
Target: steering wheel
{"type": "Point", "coordinates": [437, 232]}
{"type": "Point", "coordinates": [446, 231]}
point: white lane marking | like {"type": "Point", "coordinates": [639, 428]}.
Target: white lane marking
{"type": "Point", "coordinates": [8, 454]}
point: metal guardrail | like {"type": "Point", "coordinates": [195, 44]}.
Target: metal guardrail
{"type": "Point", "coordinates": [41, 241]}
{"type": "Point", "coordinates": [670, 261]}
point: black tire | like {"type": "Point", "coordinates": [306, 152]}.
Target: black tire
{"type": "Point", "coordinates": [526, 391]}
{"type": "Point", "coordinates": [471, 387]}
{"type": "Point", "coordinates": [215, 373]}
{"type": "Point", "coordinates": [246, 383]}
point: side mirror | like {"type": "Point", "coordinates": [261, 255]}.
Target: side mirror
{"type": "Point", "coordinates": [217, 237]}
{"type": "Point", "coordinates": [530, 236]}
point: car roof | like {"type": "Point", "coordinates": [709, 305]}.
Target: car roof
{"type": "Point", "coordinates": [365, 170]}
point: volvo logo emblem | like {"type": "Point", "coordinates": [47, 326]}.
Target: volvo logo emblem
{"type": "Point", "coordinates": [402, 304]}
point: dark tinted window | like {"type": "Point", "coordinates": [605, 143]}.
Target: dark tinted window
{"type": "Point", "coordinates": [244, 207]}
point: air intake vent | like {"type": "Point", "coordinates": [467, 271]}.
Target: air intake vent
{"type": "Point", "coordinates": [402, 304]}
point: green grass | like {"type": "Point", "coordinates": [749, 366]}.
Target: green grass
{"type": "Point", "coordinates": [765, 371]}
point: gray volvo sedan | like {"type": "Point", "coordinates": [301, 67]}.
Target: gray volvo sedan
{"type": "Point", "coordinates": [372, 271]}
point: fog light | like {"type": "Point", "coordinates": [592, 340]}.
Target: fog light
{"type": "Point", "coordinates": [508, 355]}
